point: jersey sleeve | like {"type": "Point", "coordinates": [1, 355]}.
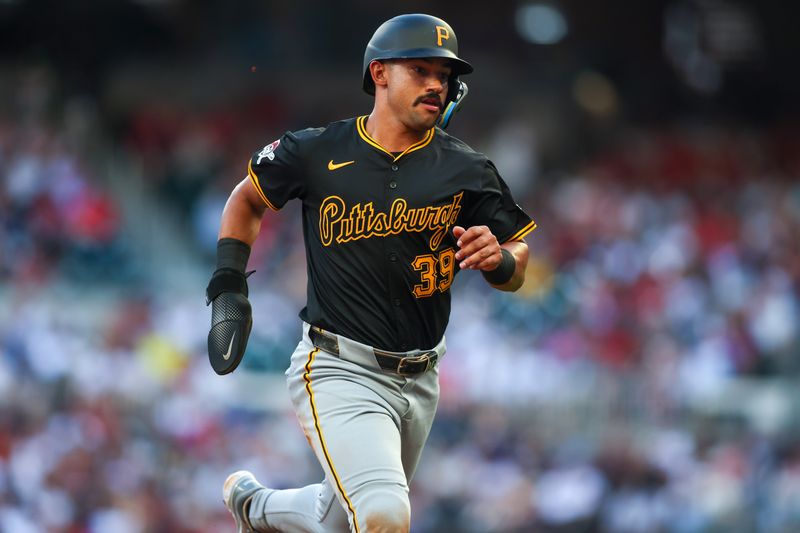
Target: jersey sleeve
{"type": "Point", "coordinates": [494, 207]}
{"type": "Point", "coordinates": [276, 171]}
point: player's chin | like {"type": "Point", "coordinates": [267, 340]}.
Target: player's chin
{"type": "Point", "coordinates": [427, 117]}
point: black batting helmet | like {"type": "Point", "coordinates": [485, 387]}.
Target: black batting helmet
{"type": "Point", "coordinates": [415, 36]}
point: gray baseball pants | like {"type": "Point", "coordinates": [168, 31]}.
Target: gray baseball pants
{"type": "Point", "coordinates": [367, 428]}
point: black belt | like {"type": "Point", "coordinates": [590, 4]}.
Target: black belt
{"type": "Point", "coordinates": [403, 365]}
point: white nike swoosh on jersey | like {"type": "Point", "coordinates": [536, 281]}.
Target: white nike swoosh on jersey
{"type": "Point", "coordinates": [227, 355]}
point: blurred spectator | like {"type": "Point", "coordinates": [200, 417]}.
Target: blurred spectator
{"type": "Point", "coordinates": [55, 218]}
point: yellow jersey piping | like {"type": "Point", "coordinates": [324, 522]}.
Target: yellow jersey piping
{"type": "Point", "coordinates": [257, 185]}
{"type": "Point", "coordinates": [518, 236]}
{"type": "Point", "coordinates": [362, 132]}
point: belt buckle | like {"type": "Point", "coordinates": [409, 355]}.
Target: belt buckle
{"type": "Point", "coordinates": [428, 358]}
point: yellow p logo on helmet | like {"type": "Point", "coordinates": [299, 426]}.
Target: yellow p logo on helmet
{"type": "Point", "coordinates": [441, 33]}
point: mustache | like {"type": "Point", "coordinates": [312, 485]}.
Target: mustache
{"type": "Point", "coordinates": [429, 95]}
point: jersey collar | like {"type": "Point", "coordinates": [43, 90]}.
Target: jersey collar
{"type": "Point", "coordinates": [361, 126]}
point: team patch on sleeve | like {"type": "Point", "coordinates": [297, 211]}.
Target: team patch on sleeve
{"type": "Point", "coordinates": [268, 151]}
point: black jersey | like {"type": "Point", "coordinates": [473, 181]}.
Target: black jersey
{"type": "Point", "coordinates": [378, 226]}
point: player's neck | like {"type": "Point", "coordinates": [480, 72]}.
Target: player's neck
{"type": "Point", "coordinates": [390, 132]}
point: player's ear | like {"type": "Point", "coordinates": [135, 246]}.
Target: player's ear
{"type": "Point", "coordinates": [377, 70]}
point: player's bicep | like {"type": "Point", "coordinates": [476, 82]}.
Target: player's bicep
{"type": "Point", "coordinates": [241, 218]}
{"type": "Point", "coordinates": [252, 195]}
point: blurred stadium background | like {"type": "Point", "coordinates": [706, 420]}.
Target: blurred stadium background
{"type": "Point", "coordinates": [645, 379]}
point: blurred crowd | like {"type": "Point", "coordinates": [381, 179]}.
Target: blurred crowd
{"type": "Point", "coordinates": [55, 219]}
{"type": "Point", "coordinates": [642, 381]}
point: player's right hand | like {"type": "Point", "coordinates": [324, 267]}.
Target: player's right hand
{"type": "Point", "coordinates": [478, 248]}
{"type": "Point", "coordinates": [231, 321]}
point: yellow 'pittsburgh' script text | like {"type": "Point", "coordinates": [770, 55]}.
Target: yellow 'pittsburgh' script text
{"type": "Point", "coordinates": [362, 222]}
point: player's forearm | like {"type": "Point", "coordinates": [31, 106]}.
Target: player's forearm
{"type": "Point", "coordinates": [520, 252]}
{"type": "Point", "coordinates": [241, 218]}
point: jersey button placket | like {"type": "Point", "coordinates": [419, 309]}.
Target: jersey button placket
{"type": "Point", "coordinates": [393, 182]}
{"type": "Point", "coordinates": [393, 256]}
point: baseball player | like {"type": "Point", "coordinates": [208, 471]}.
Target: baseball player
{"type": "Point", "coordinates": [393, 209]}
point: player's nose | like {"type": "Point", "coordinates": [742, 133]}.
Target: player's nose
{"type": "Point", "coordinates": [435, 85]}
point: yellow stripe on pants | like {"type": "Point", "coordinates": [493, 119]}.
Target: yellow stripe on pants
{"type": "Point", "coordinates": [307, 378]}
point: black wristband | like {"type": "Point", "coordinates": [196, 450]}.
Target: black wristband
{"type": "Point", "coordinates": [233, 254]}
{"type": "Point", "coordinates": [504, 271]}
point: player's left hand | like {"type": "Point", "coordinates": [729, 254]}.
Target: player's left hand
{"type": "Point", "coordinates": [478, 248]}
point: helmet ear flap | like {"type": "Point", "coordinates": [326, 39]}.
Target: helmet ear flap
{"type": "Point", "coordinates": [454, 103]}
{"type": "Point", "coordinates": [453, 88]}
